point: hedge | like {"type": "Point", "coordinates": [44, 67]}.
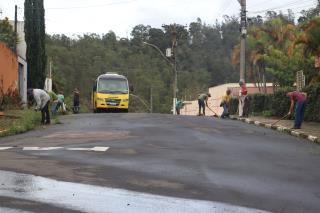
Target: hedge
{"type": "Point", "coordinates": [278, 104]}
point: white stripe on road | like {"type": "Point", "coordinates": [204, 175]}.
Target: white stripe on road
{"type": "Point", "coordinates": [5, 148]}
{"type": "Point", "coordinates": [35, 148]}
{"type": "Point", "coordinates": [96, 149]}
{"type": "Point", "coordinates": [100, 149]}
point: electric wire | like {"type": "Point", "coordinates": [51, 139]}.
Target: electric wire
{"type": "Point", "coordinates": [89, 6]}
{"type": "Point", "coordinates": [289, 5]}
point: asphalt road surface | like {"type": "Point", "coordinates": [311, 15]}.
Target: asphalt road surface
{"type": "Point", "coordinates": [157, 163]}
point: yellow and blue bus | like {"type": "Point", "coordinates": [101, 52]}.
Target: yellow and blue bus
{"type": "Point", "coordinates": [110, 92]}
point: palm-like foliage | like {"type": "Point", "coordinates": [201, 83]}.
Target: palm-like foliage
{"type": "Point", "coordinates": [310, 37]}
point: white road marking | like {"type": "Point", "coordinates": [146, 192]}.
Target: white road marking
{"type": "Point", "coordinates": [5, 148]}
{"type": "Point", "coordinates": [35, 148]}
{"type": "Point", "coordinates": [96, 149]}
{"type": "Point", "coordinates": [78, 149]}
{"type": "Point", "coordinates": [100, 148]}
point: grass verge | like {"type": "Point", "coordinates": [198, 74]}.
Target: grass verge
{"type": "Point", "coordinates": [18, 121]}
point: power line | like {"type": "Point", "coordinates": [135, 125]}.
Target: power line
{"type": "Point", "coordinates": [295, 8]}
{"type": "Point", "coordinates": [259, 4]}
{"type": "Point", "coordinates": [89, 6]}
{"type": "Point", "coordinates": [287, 4]}
{"type": "Point", "coordinates": [284, 6]}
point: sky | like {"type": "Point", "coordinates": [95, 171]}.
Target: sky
{"type": "Point", "coordinates": [77, 17]}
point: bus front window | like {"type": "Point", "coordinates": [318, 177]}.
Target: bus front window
{"type": "Point", "coordinates": [112, 86]}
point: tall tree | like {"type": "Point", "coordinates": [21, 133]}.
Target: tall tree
{"type": "Point", "coordinates": [35, 39]}
{"type": "Point", "coordinates": [310, 39]}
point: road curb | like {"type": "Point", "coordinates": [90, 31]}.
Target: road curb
{"type": "Point", "coordinates": [279, 128]}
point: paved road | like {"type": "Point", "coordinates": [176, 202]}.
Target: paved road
{"type": "Point", "coordinates": [158, 163]}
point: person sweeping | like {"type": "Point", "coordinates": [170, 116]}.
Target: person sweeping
{"type": "Point", "coordinates": [300, 99]}
{"type": "Point", "coordinates": [179, 105]}
{"type": "Point", "coordinates": [225, 104]}
{"type": "Point", "coordinates": [203, 102]}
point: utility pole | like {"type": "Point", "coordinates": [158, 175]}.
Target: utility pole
{"type": "Point", "coordinates": [15, 28]}
{"type": "Point", "coordinates": [243, 29]}
{"type": "Point", "coordinates": [174, 56]}
{"type": "Point", "coordinates": [50, 69]}
{"type": "Point", "coordinates": [151, 100]}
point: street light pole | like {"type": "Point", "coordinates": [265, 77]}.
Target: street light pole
{"type": "Point", "coordinates": [174, 55]}
{"type": "Point", "coordinates": [243, 39]}
{"type": "Point", "coordinates": [174, 66]}
{"type": "Point", "coordinates": [161, 53]}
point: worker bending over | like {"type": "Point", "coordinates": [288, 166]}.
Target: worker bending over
{"type": "Point", "coordinates": [42, 100]}
{"type": "Point", "coordinates": [225, 104]}
{"type": "Point", "coordinates": [203, 102]}
{"type": "Point", "coordinates": [300, 98]}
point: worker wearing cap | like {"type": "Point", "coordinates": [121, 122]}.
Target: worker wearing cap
{"type": "Point", "coordinates": [300, 98]}
{"type": "Point", "coordinates": [203, 102]}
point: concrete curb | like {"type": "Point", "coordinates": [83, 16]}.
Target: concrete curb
{"type": "Point", "coordinates": [279, 128]}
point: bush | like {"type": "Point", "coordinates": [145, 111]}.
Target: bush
{"type": "Point", "coordinates": [278, 104]}
{"type": "Point", "coordinates": [259, 103]}
{"type": "Point", "coordinates": [312, 112]}
{"type": "Point", "coordinates": [267, 113]}
{"type": "Point", "coordinates": [233, 106]}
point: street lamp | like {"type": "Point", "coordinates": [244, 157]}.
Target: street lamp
{"type": "Point", "coordinates": [158, 49]}
{"type": "Point", "coordinates": [173, 64]}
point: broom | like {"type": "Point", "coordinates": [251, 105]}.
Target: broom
{"type": "Point", "coordinates": [280, 119]}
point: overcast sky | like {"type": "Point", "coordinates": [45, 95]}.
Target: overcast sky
{"type": "Point", "coordinates": [72, 17]}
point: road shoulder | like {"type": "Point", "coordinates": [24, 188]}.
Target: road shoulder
{"type": "Point", "coordinates": [312, 135]}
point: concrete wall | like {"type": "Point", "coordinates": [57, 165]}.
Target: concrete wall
{"type": "Point", "coordinates": [23, 80]}
{"type": "Point", "coordinates": [22, 60]}
{"type": "Point", "coordinates": [8, 68]}
{"type": "Point", "coordinates": [21, 46]}
{"type": "Point", "coordinates": [191, 107]}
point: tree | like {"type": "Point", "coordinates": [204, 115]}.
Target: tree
{"type": "Point", "coordinates": [7, 34]}
{"type": "Point", "coordinates": [35, 40]}
{"type": "Point", "coordinates": [307, 15]}
{"type": "Point", "coordinates": [269, 45]}
{"type": "Point", "coordinates": [310, 40]}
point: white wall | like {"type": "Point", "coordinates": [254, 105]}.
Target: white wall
{"type": "Point", "coordinates": [23, 91]}
{"type": "Point", "coordinates": [21, 46]}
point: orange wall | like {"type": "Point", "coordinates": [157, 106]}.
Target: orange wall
{"type": "Point", "coordinates": [8, 68]}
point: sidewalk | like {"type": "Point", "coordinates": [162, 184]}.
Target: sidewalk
{"type": "Point", "coordinates": [309, 130]}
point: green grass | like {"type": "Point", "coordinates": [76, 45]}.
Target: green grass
{"type": "Point", "coordinates": [19, 121]}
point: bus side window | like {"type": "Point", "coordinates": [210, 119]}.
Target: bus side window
{"type": "Point", "coordinates": [94, 88]}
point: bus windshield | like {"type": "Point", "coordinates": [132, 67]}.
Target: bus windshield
{"type": "Point", "coordinates": [112, 85]}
